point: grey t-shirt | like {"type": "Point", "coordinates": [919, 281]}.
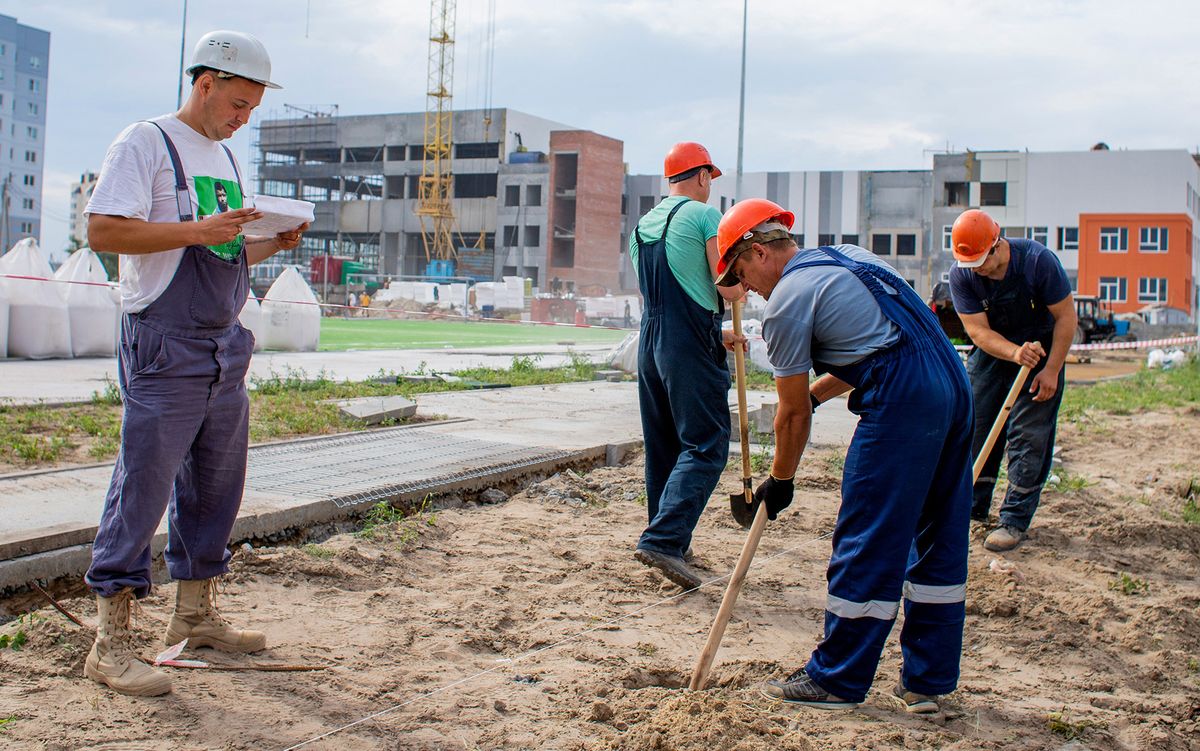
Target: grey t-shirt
{"type": "Point", "coordinates": [824, 313]}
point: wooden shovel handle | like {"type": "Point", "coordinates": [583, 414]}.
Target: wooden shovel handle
{"type": "Point", "coordinates": [705, 661]}
{"type": "Point", "coordinates": [1001, 418]}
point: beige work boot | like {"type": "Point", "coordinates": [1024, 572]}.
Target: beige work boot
{"type": "Point", "coordinates": [1004, 538]}
{"type": "Point", "coordinates": [197, 620]}
{"type": "Point", "coordinates": [113, 660]}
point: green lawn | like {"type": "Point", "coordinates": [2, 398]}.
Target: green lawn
{"type": "Point", "coordinates": [342, 334]}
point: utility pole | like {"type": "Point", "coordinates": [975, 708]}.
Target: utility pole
{"type": "Point", "coordinates": [182, 43]}
{"type": "Point", "coordinates": [737, 196]}
{"type": "Point", "coordinates": [5, 200]}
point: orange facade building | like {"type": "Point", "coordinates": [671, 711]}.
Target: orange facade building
{"type": "Point", "coordinates": [1136, 260]}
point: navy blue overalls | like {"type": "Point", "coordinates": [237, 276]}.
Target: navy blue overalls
{"type": "Point", "coordinates": [183, 362]}
{"type": "Point", "coordinates": [1014, 312]}
{"type": "Point", "coordinates": [906, 492]}
{"type": "Point", "coordinates": [683, 390]}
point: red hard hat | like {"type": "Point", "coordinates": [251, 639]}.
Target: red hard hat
{"type": "Point", "coordinates": [736, 225]}
{"type": "Point", "coordinates": [973, 236]}
{"type": "Point", "coordinates": [685, 156]}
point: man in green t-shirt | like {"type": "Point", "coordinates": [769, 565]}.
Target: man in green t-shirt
{"type": "Point", "coordinates": [683, 379]}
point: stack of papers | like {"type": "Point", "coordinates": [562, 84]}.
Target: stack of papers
{"type": "Point", "coordinates": [279, 215]}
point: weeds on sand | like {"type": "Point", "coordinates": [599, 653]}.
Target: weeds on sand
{"type": "Point", "coordinates": [384, 520]}
{"type": "Point", "coordinates": [318, 551]}
{"type": "Point", "coordinates": [1068, 482]}
{"type": "Point", "coordinates": [1128, 585]}
{"type": "Point", "coordinates": [1061, 723]}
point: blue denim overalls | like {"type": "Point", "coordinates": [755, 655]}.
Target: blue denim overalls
{"type": "Point", "coordinates": [683, 390]}
{"type": "Point", "coordinates": [184, 435]}
{"type": "Point", "coordinates": [906, 492]}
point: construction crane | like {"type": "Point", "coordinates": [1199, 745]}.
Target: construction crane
{"type": "Point", "coordinates": [436, 184]}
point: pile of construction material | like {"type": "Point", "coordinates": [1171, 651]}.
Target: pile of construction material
{"type": "Point", "coordinates": [508, 294]}
{"type": "Point", "coordinates": [611, 308]}
{"type": "Point", "coordinates": [74, 312]}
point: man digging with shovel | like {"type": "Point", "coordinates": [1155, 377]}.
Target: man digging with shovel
{"type": "Point", "coordinates": [906, 488]}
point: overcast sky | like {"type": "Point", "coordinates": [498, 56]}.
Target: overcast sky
{"type": "Point", "coordinates": [838, 84]}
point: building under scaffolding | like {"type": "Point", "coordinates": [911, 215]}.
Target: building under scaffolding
{"type": "Point", "coordinates": [363, 173]}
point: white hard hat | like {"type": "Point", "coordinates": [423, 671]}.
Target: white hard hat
{"type": "Point", "coordinates": [234, 53]}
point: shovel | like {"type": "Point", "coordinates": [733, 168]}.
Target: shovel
{"type": "Point", "coordinates": [742, 504]}
{"type": "Point", "coordinates": [1001, 418]}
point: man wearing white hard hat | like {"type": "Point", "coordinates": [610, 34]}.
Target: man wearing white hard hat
{"type": "Point", "coordinates": [170, 201]}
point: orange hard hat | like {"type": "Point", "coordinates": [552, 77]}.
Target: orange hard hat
{"type": "Point", "coordinates": [740, 223]}
{"type": "Point", "coordinates": [687, 155]}
{"type": "Point", "coordinates": [972, 238]}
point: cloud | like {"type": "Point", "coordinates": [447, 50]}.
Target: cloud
{"type": "Point", "coordinates": [854, 85]}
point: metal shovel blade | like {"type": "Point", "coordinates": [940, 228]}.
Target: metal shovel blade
{"type": "Point", "coordinates": [742, 506]}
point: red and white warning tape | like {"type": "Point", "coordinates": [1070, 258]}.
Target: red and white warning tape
{"type": "Point", "coordinates": [1146, 344]}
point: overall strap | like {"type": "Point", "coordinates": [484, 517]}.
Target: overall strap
{"type": "Point", "coordinates": [236, 173]}
{"type": "Point", "coordinates": [662, 239]}
{"type": "Point", "coordinates": [182, 196]}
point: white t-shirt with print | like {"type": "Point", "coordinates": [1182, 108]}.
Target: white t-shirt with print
{"type": "Point", "coordinates": [137, 181]}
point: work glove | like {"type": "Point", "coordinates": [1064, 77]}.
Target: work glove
{"type": "Point", "coordinates": [777, 494]}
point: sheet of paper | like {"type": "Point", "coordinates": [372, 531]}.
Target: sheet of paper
{"type": "Point", "coordinates": [279, 215]}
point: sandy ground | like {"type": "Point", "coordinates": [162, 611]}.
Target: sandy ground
{"type": "Point", "coordinates": [527, 625]}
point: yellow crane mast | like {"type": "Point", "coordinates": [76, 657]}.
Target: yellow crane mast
{"type": "Point", "coordinates": [436, 184]}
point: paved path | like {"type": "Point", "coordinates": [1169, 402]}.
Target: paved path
{"type": "Point", "coordinates": [57, 381]}
{"type": "Point", "coordinates": [488, 436]}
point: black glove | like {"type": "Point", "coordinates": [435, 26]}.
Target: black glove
{"type": "Point", "coordinates": [777, 494]}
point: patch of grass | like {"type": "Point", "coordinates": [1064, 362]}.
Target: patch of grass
{"type": "Point", "coordinates": [6, 722]}
{"type": "Point", "coordinates": [642, 499]}
{"type": "Point", "coordinates": [1145, 390]}
{"type": "Point", "coordinates": [760, 380]}
{"type": "Point", "coordinates": [1193, 665]}
{"type": "Point", "coordinates": [1191, 512]}
{"type": "Point", "coordinates": [835, 463]}
{"type": "Point", "coordinates": [379, 518]}
{"type": "Point", "coordinates": [760, 460]}
{"type": "Point", "coordinates": [1128, 585]}
{"type": "Point", "coordinates": [318, 551]}
{"type": "Point", "coordinates": [109, 397]}
{"type": "Point", "coordinates": [646, 649]}
{"type": "Point", "coordinates": [1061, 723]}
{"type": "Point", "coordinates": [282, 405]}
{"type": "Point", "coordinates": [1068, 482]}
{"type": "Point", "coordinates": [384, 521]}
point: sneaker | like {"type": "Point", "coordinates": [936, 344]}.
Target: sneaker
{"type": "Point", "coordinates": [669, 566]}
{"type": "Point", "coordinates": [916, 703]}
{"type": "Point", "coordinates": [799, 688]}
{"type": "Point", "coordinates": [1003, 538]}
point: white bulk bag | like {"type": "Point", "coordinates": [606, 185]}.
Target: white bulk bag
{"type": "Point", "coordinates": [251, 319]}
{"type": "Point", "coordinates": [90, 309]}
{"type": "Point", "coordinates": [625, 356]}
{"type": "Point", "coordinates": [291, 316]}
{"type": "Point", "coordinates": [38, 324]}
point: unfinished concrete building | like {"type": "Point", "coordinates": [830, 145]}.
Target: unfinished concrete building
{"type": "Point", "coordinates": [888, 212]}
{"type": "Point", "coordinates": [362, 173]}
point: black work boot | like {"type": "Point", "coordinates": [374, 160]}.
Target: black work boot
{"type": "Point", "coordinates": [669, 566]}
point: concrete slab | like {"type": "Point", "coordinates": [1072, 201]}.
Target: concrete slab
{"type": "Point", "coordinates": [376, 409]}
{"type": "Point", "coordinates": [50, 517]}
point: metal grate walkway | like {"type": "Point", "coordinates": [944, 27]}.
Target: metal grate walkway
{"type": "Point", "coordinates": [381, 464]}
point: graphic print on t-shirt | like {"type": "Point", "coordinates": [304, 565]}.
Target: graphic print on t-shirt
{"type": "Point", "coordinates": [215, 196]}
